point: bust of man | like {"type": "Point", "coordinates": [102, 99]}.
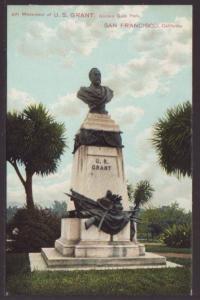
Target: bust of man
{"type": "Point", "coordinates": [95, 96]}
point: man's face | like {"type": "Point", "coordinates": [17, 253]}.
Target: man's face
{"type": "Point", "coordinates": [95, 77]}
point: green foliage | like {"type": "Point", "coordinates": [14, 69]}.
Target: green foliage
{"type": "Point", "coordinates": [59, 208]}
{"type": "Point", "coordinates": [156, 219]}
{"type": "Point", "coordinates": [177, 236]}
{"type": "Point", "coordinates": [10, 212]}
{"type": "Point", "coordinates": [141, 194]}
{"type": "Point", "coordinates": [35, 140]}
{"type": "Point", "coordinates": [172, 140]}
{"type": "Point", "coordinates": [36, 230]}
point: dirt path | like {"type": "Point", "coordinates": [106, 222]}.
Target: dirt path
{"type": "Point", "coordinates": [181, 255]}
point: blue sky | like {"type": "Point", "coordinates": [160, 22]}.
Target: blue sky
{"type": "Point", "coordinates": [149, 70]}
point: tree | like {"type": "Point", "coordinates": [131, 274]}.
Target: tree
{"type": "Point", "coordinates": [59, 208]}
{"type": "Point", "coordinates": [172, 140]}
{"type": "Point", "coordinates": [36, 142]}
{"type": "Point", "coordinates": [156, 220]}
{"type": "Point", "coordinates": [139, 196]}
{"type": "Point", "coordinates": [142, 193]}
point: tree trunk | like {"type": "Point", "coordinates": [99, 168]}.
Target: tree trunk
{"type": "Point", "coordinates": [26, 183]}
{"type": "Point", "coordinates": [29, 192]}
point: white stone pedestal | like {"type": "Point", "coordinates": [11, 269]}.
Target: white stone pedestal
{"type": "Point", "coordinates": [54, 260]}
{"type": "Point", "coordinates": [70, 236]}
{"type": "Point", "coordinates": [96, 170]}
{"type": "Point", "coordinates": [76, 241]}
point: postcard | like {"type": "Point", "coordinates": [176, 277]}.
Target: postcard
{"type": "Point", "coordinates": [99, 188]}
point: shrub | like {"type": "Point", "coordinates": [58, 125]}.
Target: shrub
{"type": "Point", "coordinates": [37, 229]}
{"type": "Point", "coordinates": [155, 220]}
{"type": "Point", "coordinates": [177, 236]}
{"type": "Point", "coordinates": [10, 212]}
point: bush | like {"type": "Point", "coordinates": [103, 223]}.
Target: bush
{"type": "Point", "coordinates": [37, 229]}
{"type": "Point", "coordinates": [155, 220]}
{"type": "Point", "coordinates": [177, 236]}
{"type": "Point", "coordinates": [10, 212]}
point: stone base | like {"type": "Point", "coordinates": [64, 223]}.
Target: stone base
{"type": "Point", "coordinates": [76, 241]}
{"type": "Point", "coordinates": [54, 259]}
{"type": "Point", "coordinates": [111, 249]}
{"type": "Point", "coordinates": [37, 263]}
{"type": "Point", "coordinates": [99, 249]}
{"type": "Point", "coordinates": [65, 247]}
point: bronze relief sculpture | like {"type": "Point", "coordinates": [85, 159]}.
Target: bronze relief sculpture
{"type": "Point", "coordinates": [106, 213]}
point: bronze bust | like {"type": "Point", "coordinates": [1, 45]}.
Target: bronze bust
{"type": "Point", "coordinates": [95, 96]}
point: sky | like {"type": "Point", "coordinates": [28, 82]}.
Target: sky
{"type": "Point", "coordinates": [144, 54]}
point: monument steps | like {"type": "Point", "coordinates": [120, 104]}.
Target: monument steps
{"type": "Point", "coordinates": [53, 258]}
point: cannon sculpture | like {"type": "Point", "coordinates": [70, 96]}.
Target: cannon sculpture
{"type": "Point", "coordinates": [105, 213]}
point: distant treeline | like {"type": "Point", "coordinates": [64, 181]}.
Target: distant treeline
{"type": "Point", "coordinates": [57, 208]}
{"type": "Point", "coordinates": [155, 220]}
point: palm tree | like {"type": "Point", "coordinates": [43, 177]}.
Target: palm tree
{"type": "Point", "coordinates": [139, 196]}
{"type": "Point", "coordinates": [172, 140]}
{"type": "Point", "coordinates": [142, 193]}
{"type": "Point", "coordinates": [36, 142]}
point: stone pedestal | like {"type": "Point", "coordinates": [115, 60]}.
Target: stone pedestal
{"type": "Point", "coordinates": [109, 249]}
{"type": "Point", "coordinates": [98, 169]}
{"type": "Point", "coordinates": [76, 241]}
{"type": "Point", "coordinates": [54, 259]}
{"type": "Point", "coordinates": [95, 170]}
{"type": "Point", "coordinates": [100, 122]}
{"type": "Point", "coordinates": [70, 236]}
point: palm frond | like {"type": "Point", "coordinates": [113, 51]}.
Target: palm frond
{"type": "Point", "coordinates": [172, 140]}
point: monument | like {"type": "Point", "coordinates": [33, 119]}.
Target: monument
{"type": "Point", "coordinates": [95, 230]}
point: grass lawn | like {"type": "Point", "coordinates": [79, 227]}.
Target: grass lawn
{"type": "Point", "coordinates": [164, 249]}
{"type": "Point", "coordinates": [20, 281]}
{"type": "Point", "coordinates": [186, 262]}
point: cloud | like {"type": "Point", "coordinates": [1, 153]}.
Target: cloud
{"type": "Point", "coordinates": [74, 35]}
{"type": "Point", "coordinates": [37, 41]}
{"type": "Point", "coordinates": [78, 35]}
{"type": "Point", "coordinates": [168, 189]}
{"type": "Point", "coordinates": [128, 115]}
{"type": "Point", "coordinates": [137, 78]}
{"type": "Point", "coordinates": [161, 54]}
{"type": "Point", "coordinates": [144, 146]}
{"type": "Point", "coordinates": [45, 189]}
{"type": "Point", "coordinates": [18, 100]}
{"type": "Point", "coordinates": [64, 41]}
{"type": "Point", "coordinates": [45, 196]}
{"type": "Point", "coordinates": [68, 105]}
